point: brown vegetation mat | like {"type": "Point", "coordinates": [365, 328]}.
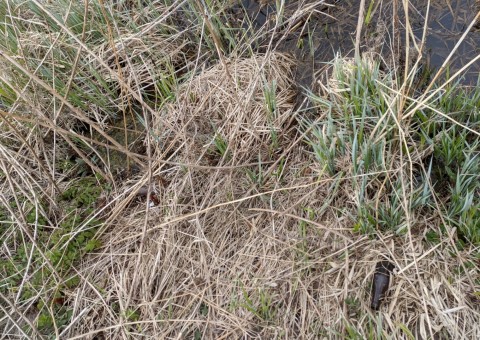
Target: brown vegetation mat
{"type": "Point", "coordinates": [235, 249]}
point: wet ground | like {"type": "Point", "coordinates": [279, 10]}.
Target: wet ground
{"type": "Point", "coordinates": [448, 21]}
{"type": "Point", "coordinates": [329, 28]}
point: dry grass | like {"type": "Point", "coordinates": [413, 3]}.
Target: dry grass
{"type": "Point", "coordinates": [224, 257]}
{"type": "Point", "coordinates": [232, 227]}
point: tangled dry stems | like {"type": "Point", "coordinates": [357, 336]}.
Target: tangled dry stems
{"type": "Point", "coordinates": [243, 259]}
{"type": "Point", "coordinates": [236, 250]}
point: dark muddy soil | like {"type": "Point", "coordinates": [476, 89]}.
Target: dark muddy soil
{"type": "Point", "coordinates": [329, 28]}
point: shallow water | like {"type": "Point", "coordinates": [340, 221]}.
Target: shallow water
{"type": "Point", "coordinates": [447, 21]}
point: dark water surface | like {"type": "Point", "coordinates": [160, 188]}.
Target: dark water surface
{"type": "Point", "coordinates": [334, 31]}
{"type": "Point", "coordinates": [448, 21]}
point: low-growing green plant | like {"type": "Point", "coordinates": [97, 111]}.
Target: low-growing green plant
{"type": "Point", "coordinates": [262, 308]}
{"type": "Point", "coordinates": [256, 175]}
{"type": "Point", "coordinates": [279, 170]}
{"type": "Point", "coordinates": [270, 94]}
{"type": "Point", "coordinates": [326, 147]}
{"type": "Point", "coordinates": [304, 231]}
{"type": "Point", "coordinates": [83, 193]}
{"type": "Point", "coordinates": [203, 309]}
{"type": "Point", "coordinates": [131, 315]}
{"type": "Point", "coordinates": [62, 246]}
{"type": "Point", "coordinates": [361, 127]}
{"type": "Point", "coordinates": [221, 145]}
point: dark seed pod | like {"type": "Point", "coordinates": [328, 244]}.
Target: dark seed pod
{"type": "Point", "coordinates": [381, 280]}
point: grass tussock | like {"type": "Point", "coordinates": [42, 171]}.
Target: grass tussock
{"type": "Point", "coordinates": [159, 179]}
{"type": "Point", "coordinates": [227, 111]}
